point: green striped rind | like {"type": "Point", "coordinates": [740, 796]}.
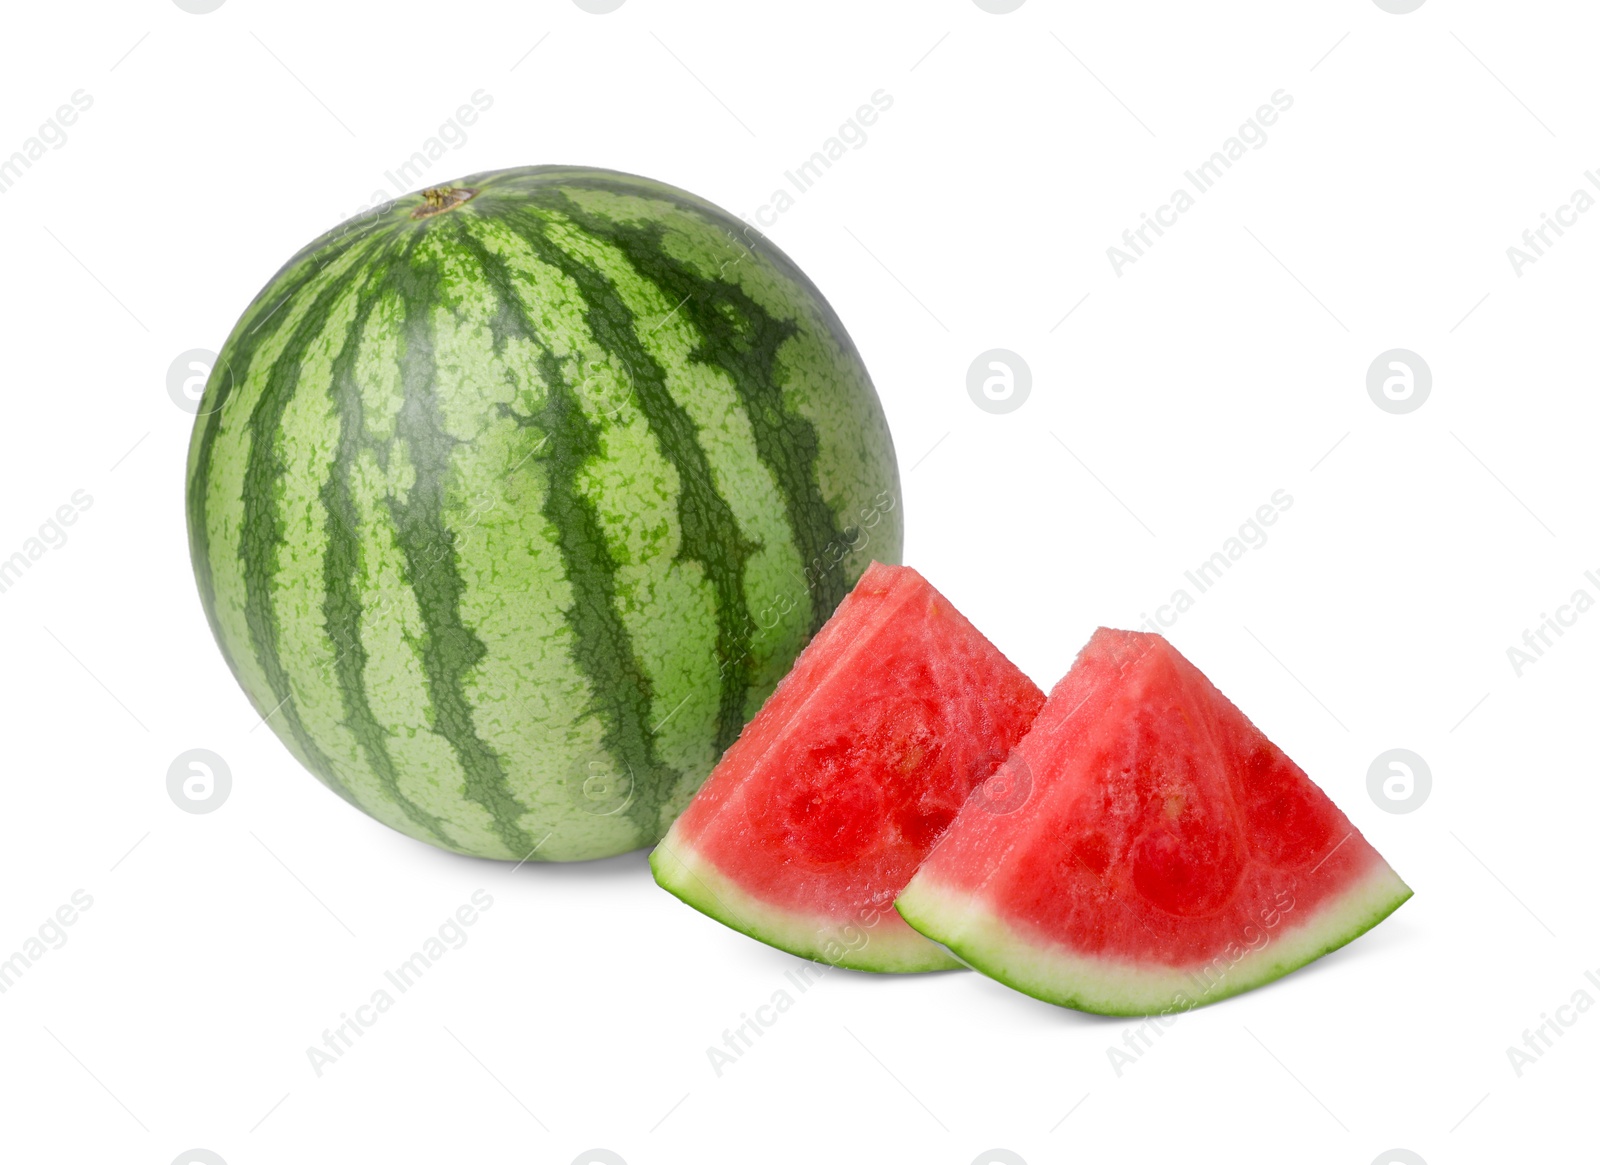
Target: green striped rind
{"type": "Point", "coordinates": [969, 929]}
{"type": "Point", "coordinates": [509, 517]}
{"type": "Point", "coordinates": [883, 944]}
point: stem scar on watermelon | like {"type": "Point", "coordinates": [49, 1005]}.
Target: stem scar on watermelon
{"type": "Point", "coordinates": [1166, 854]}
{"type": "Point", "coordinates": [824, 807]}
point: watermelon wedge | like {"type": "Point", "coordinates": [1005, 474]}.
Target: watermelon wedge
{"type": "Point", "coordinates": [1166, 854]}
{"type": "Point", "coordinates": [824, 807]}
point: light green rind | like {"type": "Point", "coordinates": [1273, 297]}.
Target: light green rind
{"type": "Point", "coordinates": [969, 929]}
{"type": "Point", "coordinates": [884, 944]}
{"type": "Point", "coordinates": [507, 519]}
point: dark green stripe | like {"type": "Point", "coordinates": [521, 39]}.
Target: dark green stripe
{"type": "Point", "coordinates": [231, 371]}
{"type": "Point", "coordinates": [449, 650]}
{"type": "Point", "coordinates": [742, 338]}
{"type": "Point", "coordinates": [622, 694]}
{"type": "Point", "coordinates": [341, 602]}
{"type": "Point", "coordinates": [709, 532]}
{"type": "Point", "coordinates": [262, 531]}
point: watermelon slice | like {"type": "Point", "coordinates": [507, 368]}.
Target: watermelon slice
{"type": "Point", "coordinates": [1166, 853]}
{"type": "Point", "coordinates": [824, 807]}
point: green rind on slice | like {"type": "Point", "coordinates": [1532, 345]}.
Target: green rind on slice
{"type": "Point", "coordinates": [884, 944]}
{"type": "Point", "coordinates": [964, 924]}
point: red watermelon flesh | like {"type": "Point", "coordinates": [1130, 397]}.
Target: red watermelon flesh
{"type": "Point", "coordinates": [824, 807]}
{"type": "Point", "coordinates": [1166, 853]}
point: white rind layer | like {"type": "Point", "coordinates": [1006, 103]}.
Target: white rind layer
{"type": "Point", "coordinates": [966, 926]}
{"type": "Point", "coordinates": [885, 943]}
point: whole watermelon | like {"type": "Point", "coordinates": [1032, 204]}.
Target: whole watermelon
{"type": "Point", "coordinates": [510, 502]}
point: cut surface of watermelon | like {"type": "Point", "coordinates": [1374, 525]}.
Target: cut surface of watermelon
{"type": "Point", "coordinates": [820, 812]}
{"type": "Point", "coordinates": [1161, 852]}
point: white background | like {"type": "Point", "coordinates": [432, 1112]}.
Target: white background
{"type": "Point", "coordinates": [1227, 363]}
